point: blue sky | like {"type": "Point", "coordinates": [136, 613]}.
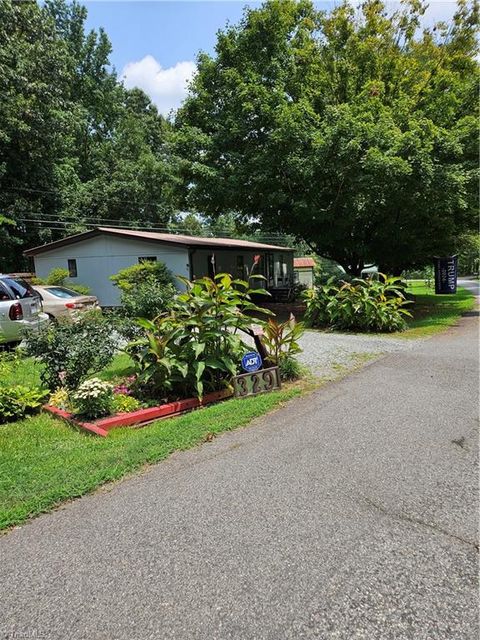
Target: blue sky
{"type": "Point", "coordinates": [155, 43]}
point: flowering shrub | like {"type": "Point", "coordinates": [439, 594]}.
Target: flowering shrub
{"type": "Point", "coordinates": [94, 398]}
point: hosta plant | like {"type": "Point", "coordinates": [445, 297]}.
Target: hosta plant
{"type": "Point", "coordinates": [16, 401]}
{"type": "Point", "coordinates": [93, 399]}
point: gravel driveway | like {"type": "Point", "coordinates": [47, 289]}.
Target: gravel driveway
{"type": "Point", "coordinates": [327, 354]}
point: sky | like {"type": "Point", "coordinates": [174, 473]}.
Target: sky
{"type": "Point", "coordinates": [155, 43]}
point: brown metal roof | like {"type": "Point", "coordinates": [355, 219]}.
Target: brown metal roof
{"type": "Point", "coordinates": [167, 238]}
{"type": "Point", "coordinates": [303, 262]}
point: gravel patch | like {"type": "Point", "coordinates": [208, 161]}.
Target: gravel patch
{"type": "Point", "coordinates": [325, 354]}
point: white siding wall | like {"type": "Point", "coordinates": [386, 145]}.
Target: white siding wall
{"type": "Point", "coordinates": [100, 257]}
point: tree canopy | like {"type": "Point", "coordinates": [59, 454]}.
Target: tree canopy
{"type": "Point", "coordinates": [353, 130]}
{"type": "Point", "coordinates": [76, 147]}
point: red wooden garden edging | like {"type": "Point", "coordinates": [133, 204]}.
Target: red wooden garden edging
{"type": "Point", "coordinates": [102, 426]}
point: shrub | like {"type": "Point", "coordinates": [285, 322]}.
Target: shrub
{"type": "Point", "coordinates": [360, 305]}
{"type": "Point", "coordinates": [317, 313]}
{"type": "Point", "coordinates": [147, 300]}
{"type": "Point", "coordinates": [59, 277]}
{"type": "Point", "coordinates": [71, 350]}
{"type": "Point", "coordinates": [123, 403]}
{"type": "Point", "coordinates": [146, 289]}
{"type": "Point", "coordinates": [16, 401]}
{"type": "Point", "coordinates": [135, 275]}
{"type": "Point", "coordinates": [196, 345]}
{"type": "Point", "coordinates": [93, 399]}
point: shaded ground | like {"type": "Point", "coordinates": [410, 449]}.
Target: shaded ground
{"type": "Point", "coordinates": [350, 514]}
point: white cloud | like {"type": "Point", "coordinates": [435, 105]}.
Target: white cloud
{"type": "Point", "coordinates": [166, 87]}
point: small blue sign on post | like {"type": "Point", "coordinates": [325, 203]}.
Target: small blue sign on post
{"type": "Point", "coordinates": [251, 361]}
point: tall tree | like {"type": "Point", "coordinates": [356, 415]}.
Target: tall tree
{"type": "Point", "coordinates": [353, 130]}
{"type": "Point", "coordinates": [76, 148]}
{"type": "Point", "coordinates": [33, 81]}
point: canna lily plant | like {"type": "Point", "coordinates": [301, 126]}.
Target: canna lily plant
{"type": "Point", "coordinates": [197, 345]}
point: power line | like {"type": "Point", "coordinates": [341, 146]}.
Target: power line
{"type": "Point", "coordinates": [94, 221]}
{"type": "Point", "coordinates": [59, 225]}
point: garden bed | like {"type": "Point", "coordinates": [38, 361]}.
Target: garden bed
{"type": "Point", "coordinates": [141, 417]}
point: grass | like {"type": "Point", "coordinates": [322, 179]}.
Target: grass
{"type": "Point", "coordinates": [44, 462]}
{"type": "Point", "coordinates": [434, 313]}
{"type": "Point", "coordinates": [26, 371]}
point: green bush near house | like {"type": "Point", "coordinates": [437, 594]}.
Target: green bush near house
{"type": "Point", "coordinates": [70, 350]}
{"type": "Point", "coordinates": [60, 278]}
{"type": "Point", "coordinates": [376, 305]}
{"type": "Point", "coordinates": [135, 275]}
{"type": "Point", "coordinates": [146, 289]}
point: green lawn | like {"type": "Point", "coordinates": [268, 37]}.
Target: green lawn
{"type": "Point", "coordinates": [26, 371]}
{"type": "Point", "coordinates": [44, 462]}
{"type": "Point", "coordinates": [434, 313]}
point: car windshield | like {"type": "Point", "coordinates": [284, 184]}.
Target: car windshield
{"type": "Point", "coordinates": [61, 292]}
{"type": "Point", "coordinates": [20, 288]}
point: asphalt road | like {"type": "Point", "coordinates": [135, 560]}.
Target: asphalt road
{"type": "Point", "coordinates": [471, 285]}
{"type": "Point", "coordinates": [348, 514]}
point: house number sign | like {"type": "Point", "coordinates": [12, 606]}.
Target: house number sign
{"type": "Point", "coordinates": [249, 384]}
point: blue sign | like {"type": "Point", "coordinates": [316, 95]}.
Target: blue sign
{"type": "Point", "coordinates": [251, 361]}
{"type": "Point", "coordinates": [446, 275]}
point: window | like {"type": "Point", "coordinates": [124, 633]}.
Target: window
{"type": "Point", "coordinates": [61, 292]}
{"type": "Point", "coordinates": [240, 267]}
{"type": "Point", "coordinates": [4, 295]}
{"type": "Point", "coordinates": [20, 288]}
{"type": "Point", "coordinates": [147, 259]}
{"type": "Point", "coordinates": [72, 268]}
{"type": "Point", "coordinates": [211, 265]}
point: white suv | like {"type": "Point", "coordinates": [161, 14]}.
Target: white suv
{"type": "Point", "coordinates": [20, 309]}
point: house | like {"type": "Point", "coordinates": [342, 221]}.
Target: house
{"type": "Point", "coordinates": [93, 256]}
{"type": "Point", "coordinates": [303, 268]}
